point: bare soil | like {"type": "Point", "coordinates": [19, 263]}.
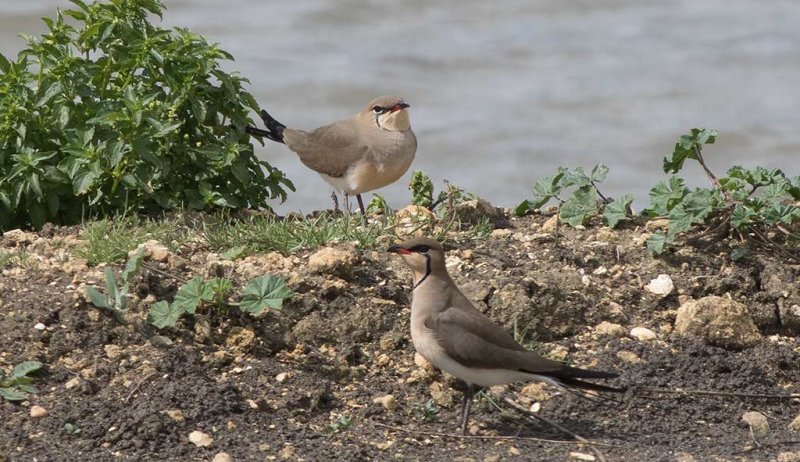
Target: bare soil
{"type": "Point", "coordinates": [344, 341]}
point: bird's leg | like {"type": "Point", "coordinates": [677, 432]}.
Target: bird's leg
{"type": "Point", "coordinates": [346, 202]}
{"type": "Point", "coordinates": [468, 394]}
{"type": "Point", "coordinates": [361, 204]}
{"type": "Point", "coordinates": [335, 201]}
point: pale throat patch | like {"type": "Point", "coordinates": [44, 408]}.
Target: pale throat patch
{"type": "Point", "coordinates": [395, 121]}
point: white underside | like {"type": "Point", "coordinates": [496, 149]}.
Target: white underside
{"type": "Point", "coordinates": [340, 184]}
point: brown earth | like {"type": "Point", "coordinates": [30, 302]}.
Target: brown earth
{"type": "Point", "coordinates": [344, 341]}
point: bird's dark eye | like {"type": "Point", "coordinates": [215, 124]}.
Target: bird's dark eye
{"type": "Point", "coordinates": [378, 109]}
{"type": "Point", "coordinates": [421, 249]}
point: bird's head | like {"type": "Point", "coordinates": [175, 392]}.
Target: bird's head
{"type": "Point", "coordinates": [388, 113]}
{"type": "Point", "coordinates": [423, 255]}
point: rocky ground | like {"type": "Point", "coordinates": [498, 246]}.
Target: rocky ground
{"type": "Point", "coordinates": [333, 376]}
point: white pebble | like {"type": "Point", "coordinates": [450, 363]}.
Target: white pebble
{"type": "Point", "coordinates": [642, 333]}
{"type": "Point", "coordinates": [662, 285]}
{"type": "Point", "coordinates": [200, 439]}
{"type": "Point", "coordinates": [40, 326]}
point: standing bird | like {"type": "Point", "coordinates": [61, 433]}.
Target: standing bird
{"type": "Point", "coordinates": [454, 336]}
{"type": "Point", "coordinates": [368, 151]}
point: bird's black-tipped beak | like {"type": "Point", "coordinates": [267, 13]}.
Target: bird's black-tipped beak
{"type": "Point", "coordinates": [399, 106]}
{"type": "Point", "coordinates": [398, 250]}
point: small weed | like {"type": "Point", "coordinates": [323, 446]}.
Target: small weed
{"type": "Point", "coordinates": [343, 423]}
{"type": "Point", "coordinates": [115, 300]}
{"type": "Point", "coordinates": [430, 413]}
{"type": "Point", "coordinates": [751, 204]}
{"type": "Point", "coordinates": [17, 385]}
{"type": "Point", "coordinates": [71, 429]}
{"type": "Point", "coordinates": [6, 259]}
{"type": "Point", "coordinates": [585, 201]}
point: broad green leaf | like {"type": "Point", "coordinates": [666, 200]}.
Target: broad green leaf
{"type": "Point", "coordinates": [680, 220]}
{"type": "Point", "coordinates": [742, 216]}
{"type": "Point", "coordinates": [83, 182]}
{"type": "Point", "coordinates": [599, 172]}
{"type": "Point", "coordinates": [48, 94]}
{"type": "Point", "coordinates": [112, 291]}
{"type": "Point", "coordinates": [25, 368]}
{"type": "Point", "coordinates": [579, 207]}
{"type": "Point", "coordinates": [523, 208]}
{"type": "Point", "coordinates": [232, 253]}
{"type": "Point", "coordinates": [658, 242]}
{"type": "Point", "coordinates": [163, 314]}
{"type": "Point", "coordinates": [99, 300]}
{"type": "Point", "coordinates": [191, 294]}
{"type": "Point", "coordinates": [12, 394]}
{"type": "Point", "coordinates": [617, 210]}
{"type": "Point", "coordinates": [264, 292]}
{"type": "Point", "coordinates": [665, 195]}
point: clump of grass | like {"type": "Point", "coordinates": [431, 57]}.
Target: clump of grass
{"type": "Point", "coordinates": [264, 233]}
{"type": "Point", "coordinates": [6, 259]}
{"type": "Point", "coordinates": [108, 240]}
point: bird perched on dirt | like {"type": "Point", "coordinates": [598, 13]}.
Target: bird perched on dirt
{"type": "Point", "coordinates": [365, 152]}
{"type": "Point", "coordinates": [454, 336]}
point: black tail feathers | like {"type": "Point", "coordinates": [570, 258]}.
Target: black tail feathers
{"type": "Point", "coordinates": [274, 129]}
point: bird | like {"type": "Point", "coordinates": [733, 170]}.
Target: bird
{"type": "Point", "coordinates": [367, 151]}
{"type": "Point", "coordinates": [454, 336]}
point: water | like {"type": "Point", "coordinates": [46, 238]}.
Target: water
{"type": "Point", "coordinates": [503, 93]}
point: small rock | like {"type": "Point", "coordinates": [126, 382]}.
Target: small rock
{"type": "Point", "coordinates": [39, 326]}
{"type": "Point", "coordinates": [414, 221]}
{"type": "Point", "coordinates": [153, 250]}
{"type": "Point", "coordinates": [661, 286]}
{"type": "Point", "coordinates": [288, 452]}
{"type": "Point", "coordinates": [332, 261]}
{"type": "Point", "coordinates": [551, 225]}
{"type": "Point", "coordinates": [383, 360]}
{"type": "Point", "coordinates": [757, 422]}
{"type": "Point", "coordinates": [72, 383]}
{"type": "Point", "coordinates": [559, 353]}
{"type": "Point", "coordinates": [536, 391]}
{"type": "Point", "coordinates": [388, 402]}
{"type": "Point", "coordinates": [787, 456]}
{"type": "Point", "coordinates": [500, 233]}
{"type": "Point", "coordinates": [240, 338]}
{"type": "Point", "coordinates": [611, 329]}
{"type": "Point", "coordinates": [222, 457]}
{"type": "Point", "coordinates": [175, 414]}
{"type": "Point", "coordinates": [280, 378]}
{"type": "Point", "coordinates": [657, 224]}
{"type": "Point", "coordinates": [581, 456]}
{"type": "Point", "coordinates": [444, 397]}
{"type": "Point", "coordinates": [422, 363]}
{"type": "Point", "coordinates": [629, 357]}
{"type": "Point", "coordinates": [37, 412]}
{"type": "Point", "coordinates": [601, 270]}
{"type": "Point", "coordinates": [643, 334]}
{"type": "Point", "coordinates": [112, 351]}
{"type": "Point", "coordinates": [514, 451]}
{"type": "Point", "coordinates": [475, 210]}
{"type": "Point", "coordinates": [718, 321]}
{"type": "Point", "coordinates": [492, 458]}
{"type": "Point", "coordinates": [684, 457]}
{"type": "Point", "coordinates": [794, 425]}
{"type": "Point", "coordinates": [200, 439]}
{"type": "Point", "coordinates": [17, 237]}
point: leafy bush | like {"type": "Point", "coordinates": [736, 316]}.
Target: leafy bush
{"type": "Point", "coordinates": [585, 201]}
{"type": "Point", "coordinates": [753, 203]}
{"type": "Point", "coordinates": [107, 112]}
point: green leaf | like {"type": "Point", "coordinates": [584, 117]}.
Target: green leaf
{"type": "Point", "coordinates": [665, 195]}
{"type": "Point", "coordinates": [133, 265]}
{"type": "Point", "coordinates": [99, 300]}
{"type": "Point", "coordinates": [233, 253]}
{"type": "Point", "coordinates": [48, 94]}
{"type": "Point", "coordinates": [421, 189]}
{"type": "Point", "coordinates": [163, 314]}
{"type": "Point", "coordinates": [617, 210]}
{"type": "Point", "coordinates": [579, 207]}
{"type": "Point", "coordinates": [264, 292]}
{"type": "Point", "coordinates": [112, 291]}
{"type": "Point", "coordinates": [25, 368]}
{"type": "Point", "coordinates": [599, 173]}
{"type": "Point", "coordinates": [737, 253]}
{"type": "Point", "coordinates": [658, 242]}
{"type": "Point", "coordinates": [191, 294]}
{"type": "Point", "coordinates": [523, 208]}
{"type": "Point", "coordinates": [742, 216]}
{"type": "Point", "coordinates": [12, 394]}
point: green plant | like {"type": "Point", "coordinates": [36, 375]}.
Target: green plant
{"type": "Point", "coordinates": [71, 429]}
{"type": "Point", "coordinates": [344, 422]}
{"type": "Point", "coordinates": [430, 413]}
{"type": "Point", "coordinates": [108, 240]}
{"type": "Point", "coordinates": [115, 300]}
{"type": "Point", "coordinates": [260, 294]}
{"type": "Point", "coordinates": [752, 203]}
{"type": "Point", "coordinates": [584, 202]}
{"type": "Point", "coordinates": [378, 204]}
{"type": "Point", "coordinates": [107, 112]}
{"type": "Point", "coordinates": [17, 385]}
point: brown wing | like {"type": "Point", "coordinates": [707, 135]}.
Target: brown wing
{"type": "Point", "coordinates": [475, 341]}
{"type": "Point", "coordinates": [331, 149]}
